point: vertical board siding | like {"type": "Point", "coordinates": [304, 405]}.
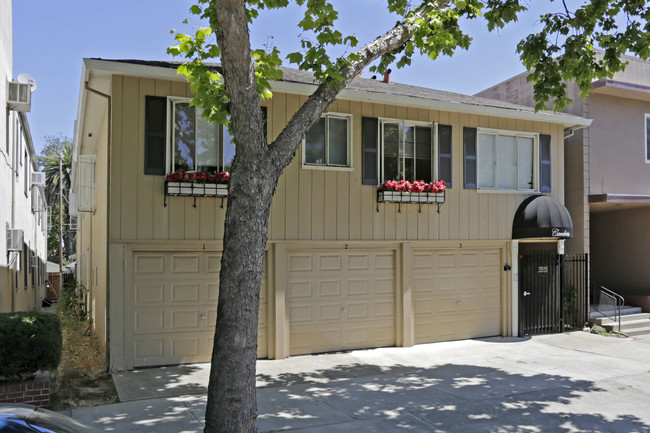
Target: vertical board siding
{"type": "Point", "coordinates": [310, 204]}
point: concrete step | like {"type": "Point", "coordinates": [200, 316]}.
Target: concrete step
{"type": "Point", "coordinates": [636, 324]}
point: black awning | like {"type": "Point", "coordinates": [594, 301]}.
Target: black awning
{"type": "Point", "coordinates": [541, 216]}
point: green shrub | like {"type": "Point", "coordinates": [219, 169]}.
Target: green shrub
{"type": "Point", "coordinates": [29, 342]}
{"type": "Point", "coordinates": [67, 297]}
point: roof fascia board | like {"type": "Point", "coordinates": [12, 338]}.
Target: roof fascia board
{"type": "Point", "coordinates": [570, 122]}
{"type": "Point", "coordinates": [122, 68]}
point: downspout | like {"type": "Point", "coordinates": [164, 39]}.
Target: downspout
{"type": "Point", "coordinates": [109, 135]}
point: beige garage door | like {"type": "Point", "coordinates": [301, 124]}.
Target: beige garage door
{"type": "Point", "coordinates": [457, 295]}
{"type": "Point", "coordinates": [341, 300]}
{"type": "Point", "coordinates": [171, 308]}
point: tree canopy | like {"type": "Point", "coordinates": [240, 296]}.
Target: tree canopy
{"type": "Point", "coordinates": [565, 49]}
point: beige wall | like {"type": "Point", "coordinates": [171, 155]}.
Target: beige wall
{"type": "Point", "coordinates": [620, 251]}
{"type": "Point", "coordinates": [309, 204]}
{"type": "Point", "coordinates": [92, 237]}
{"type": "Point", "coordinates": [617, 146]}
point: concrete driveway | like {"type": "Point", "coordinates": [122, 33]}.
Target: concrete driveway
{"type": "Point", "coordinates": [575, 382]}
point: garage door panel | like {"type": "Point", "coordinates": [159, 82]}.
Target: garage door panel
{"type": "Point", "coordinates": [358, 287]}
{"type": "Point", "coordinates": [328, 312]}
{"type": "Point", "coordinates": [329, 262]}
{"type": "Point", "coordinates": [300, 262]}
{"type": "Point", "coordinates": [186, 292]}
{"type": "Point", "coordinates": [352, 307]}
{"type": "Point", "coordinates": [185, 264]}
{"type": "Point", "coordinates": [329, 288]}
{"type": "Point", "coordinates": [385, 286]}
{"type": "Point", "coordinates": [150, 264]}
{"type": "Point", "coordinates": [213, 264]}
{"type": "Point", "coordinates": [149, 293]}
{"type": "Point", "coordinates": [463, 298]}
{"type": "Point", "coordinates": [186, 318]}
{"type": "Point", "coordinates": [151, 348]}
{"type": "Point", "coordinates": [384, 261]}
{"type": "Point", "coordinates": [185, 346]}
{"type": "Point", "coordinates": [149, 320]}
{"type": "Point", "coordinates": [358, 262]}
{"type": "Point", "coordinates": [300, 289]}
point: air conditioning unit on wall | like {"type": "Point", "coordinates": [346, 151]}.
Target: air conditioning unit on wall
{"type": "Point", "coordinates": [38, 178]}
{"type": "Point", "coordinates": [14, 240]}
{"type": "Point", "coordinates": [19, 96]}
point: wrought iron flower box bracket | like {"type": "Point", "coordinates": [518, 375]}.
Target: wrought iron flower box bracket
{"type": "Point", "coordinates": [419, 198]}
{"type": "Point", "coordinates": [195, 189]}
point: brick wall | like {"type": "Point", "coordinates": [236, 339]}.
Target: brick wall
{"type": "Point", "coordinates": [35, 392]}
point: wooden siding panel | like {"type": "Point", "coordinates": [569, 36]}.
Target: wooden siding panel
{"type": "Point", "coordinates": [278, 207]}
{"type": "Point", "coordinates": [130, 168]}
{"type": "Point", "coordinates": [292, 179]}
{"type": "Point", "coordinates": [146, 193]}
{"type": "Point", "coordinates": [355, 196]}
{"type": "Point", "coordinates": [115, 229]}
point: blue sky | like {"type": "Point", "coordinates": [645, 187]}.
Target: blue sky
{"type": "Point", "coordinates": [51, 39]}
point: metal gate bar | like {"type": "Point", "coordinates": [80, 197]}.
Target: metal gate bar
{"type": "Point", "coordinates": [553, 292]}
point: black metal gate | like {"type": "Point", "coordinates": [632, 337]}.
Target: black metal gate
{"type": "Point", "coordinates": [552, 292]}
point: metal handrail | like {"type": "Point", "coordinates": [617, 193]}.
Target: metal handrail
{"type": "Point", "coordinates": [617, 305]}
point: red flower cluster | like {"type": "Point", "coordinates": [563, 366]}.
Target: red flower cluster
{"type": "Point", "coordinates": [198, 176]}
{"type": "Point", "coordinates": [415, 186]}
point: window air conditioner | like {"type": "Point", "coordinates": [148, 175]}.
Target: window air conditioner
{"type": "Point", "coordinates": [38, 178]}
{"type": "Point", "coordinates": [19, 96]}
{"type": "Point", "coordinates": [14, 240]}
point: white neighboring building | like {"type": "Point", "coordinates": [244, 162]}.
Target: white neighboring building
{"type": "Point", "coordinates": [23, 215]}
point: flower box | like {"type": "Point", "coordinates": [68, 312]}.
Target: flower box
{"type": "Point", "coordinates": [410, 197]}
{"type": "Point", "coordinates": [195, 189]}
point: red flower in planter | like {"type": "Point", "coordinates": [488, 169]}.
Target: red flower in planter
{"type": "Point", "coordinates": [416, 186]}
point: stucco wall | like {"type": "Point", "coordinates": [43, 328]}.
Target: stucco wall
{"type": "Point", "coordinates": [617, 146]}
{"type": "Point", "coordinates": [619, 259]}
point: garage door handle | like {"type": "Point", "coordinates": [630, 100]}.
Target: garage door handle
{"type": "Point", "coordinates": [526, 293]}
{"type": "Point", "coordinates": [202, 316]}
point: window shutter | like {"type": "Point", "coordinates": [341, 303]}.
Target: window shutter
{"type": "Point", "coordinates": [544, 163]}
{"type": "Point", "coordinates": [154, 135]}
{"type": "Point", "coordinates": [86, 179]}
{"type": "Point", "coordinates": [370, 144]}
{"type": "Point", "coordinates": [469, 156]}
{"type": "Point", "coordinates": [444, 154]}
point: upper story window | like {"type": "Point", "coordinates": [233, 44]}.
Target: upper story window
{"type": "Point", "coordinates": [177, 137]}
{"type": "Point", "coordinates": [407, 151]}
{"type": "Point", "coordinates": [195, 143]}
{"type": "Point", "coordinates": [506, 160]}
{"type": "Point", "coordinates": [647, 138]}
{"type": "Point", "coordinates": [394, 149]}
{"type": "Point", "coordinates": [328, 142]}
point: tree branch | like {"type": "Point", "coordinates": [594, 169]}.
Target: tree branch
{"type": "Point", "coordinates": [286, 144]}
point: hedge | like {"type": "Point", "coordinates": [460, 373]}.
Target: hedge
{"type": "Point", "coordinates": [29, 342]}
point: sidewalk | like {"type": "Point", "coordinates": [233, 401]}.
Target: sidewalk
{"type": "Point", "coordinates": [552, 383]}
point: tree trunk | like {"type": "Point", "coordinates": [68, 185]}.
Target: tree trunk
{"type": "Point", "coordinates": [232, 403]}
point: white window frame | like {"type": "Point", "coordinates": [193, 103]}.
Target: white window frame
{"type": "Point", "coordinates": [533, 135]}
{"type": "Point", "coordinates": [646, 146]}
{"type": "Point", "coordinates": [414, 123]}
{"type": "Point", "coordinates": [169, 152]}
{"type": "Point", "coordinates": [327, 166]}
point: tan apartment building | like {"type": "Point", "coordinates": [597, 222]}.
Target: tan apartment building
{"type": "Point", "coordinates": [607, 176]}
{"type": "Point", "coordinates": [345, 267]}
